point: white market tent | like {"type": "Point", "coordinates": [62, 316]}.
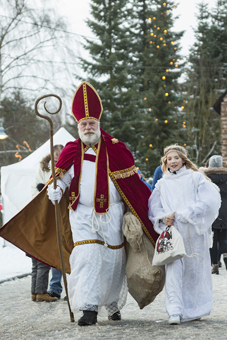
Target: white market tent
{"type": "Point", "coordinates": [17, 178]}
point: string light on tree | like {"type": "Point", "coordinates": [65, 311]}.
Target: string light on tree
{"type": "Point", "coordinates": [164, 4]}
{"type": "Point", "coordinates": [163, 78]}
{"type": "Point", "coordinates": [165, 31]}
{"type": "Point", "coordinates": [156, 119]}
{"type": "Point", "coordinates": [167, 70]}
{"type": "Point", "coordinates": [150, 145]}
{"type": "Point", "coordinates": [146, 159]}
{"type": "Point", "coordinates": [166, 94]}
{"type": "Point", "coordinates": [157, 46]}
{"type": "Point", "coordinates": [166, 121]}
{"type": "Point", "coordinates": [176, 65]}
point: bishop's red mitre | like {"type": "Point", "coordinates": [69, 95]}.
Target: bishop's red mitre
{"type": "Point", "coordinates": [86, 103]}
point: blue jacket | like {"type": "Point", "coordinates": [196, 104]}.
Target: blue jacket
{"type": "Point", "coordinates": [157, 175]}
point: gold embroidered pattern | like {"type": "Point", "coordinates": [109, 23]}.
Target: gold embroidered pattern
{"type": "Point", "coordinates": [85, 100]}
{"type": "Point", "coordinates": [125, 172]}
{"type": "Point", "coordinates": [114, 140]}
{"type": "Point", "coordinates": [87, 118]}
{"type": "Point", "coordinates": [94, 148]}
{"type": "Point", "coordinates": [97, 241]}
{"type": "Point", "coordinates": [73, 197]}
{"type": "Point", "coordinates": [86, 148]}
{"type": "Point", "coordinates": [101, 200]}
{"type": "Point", "coordinates": [130, 206]}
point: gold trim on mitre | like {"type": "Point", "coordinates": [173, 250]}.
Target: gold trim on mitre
{"type": "Point", "coordinates": [87, 117]}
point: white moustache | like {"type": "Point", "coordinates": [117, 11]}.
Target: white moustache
{"type": "Point", "coordinates": [89, 133]}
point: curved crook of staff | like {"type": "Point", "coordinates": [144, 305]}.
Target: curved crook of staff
{"type": "Point", "coordinates": [57, 214]}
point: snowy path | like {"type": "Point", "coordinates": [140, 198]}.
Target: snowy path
{"type": "Point", "coordinates": [22, 319]}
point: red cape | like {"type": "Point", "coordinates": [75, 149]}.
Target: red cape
{"type": "Point", "coordinates": [33, 228]}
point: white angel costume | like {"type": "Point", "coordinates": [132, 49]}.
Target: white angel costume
{"type": "Point", "coordinates": [196, 202]}
{"type": "Point", "coordinates": [98, 259]}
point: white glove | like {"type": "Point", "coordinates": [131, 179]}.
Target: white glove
{"type": "Point", "coordinates": [54, 194]}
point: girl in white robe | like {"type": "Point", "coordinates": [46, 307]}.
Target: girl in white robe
{"type": "Point", "coordinates": [195, 202]}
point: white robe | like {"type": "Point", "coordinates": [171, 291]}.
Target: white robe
{"type": "Point", "coordinates": [196, 202]}
{"type": "Point", "coordinates": [97, 272]}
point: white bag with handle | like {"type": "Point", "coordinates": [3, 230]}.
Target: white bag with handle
{"type": "Point", "coordinates": [169, 247]}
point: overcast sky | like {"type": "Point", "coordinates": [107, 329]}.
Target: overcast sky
{"type": "Point", "coordinates": [77, 12]}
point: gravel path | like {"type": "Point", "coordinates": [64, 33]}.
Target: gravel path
{"type": "Point", "coordinates": [22, 319]}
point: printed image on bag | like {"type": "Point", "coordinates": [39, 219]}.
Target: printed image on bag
{"type": "Point", "coordinates": [169, 247]}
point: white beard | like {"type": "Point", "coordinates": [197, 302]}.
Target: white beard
{"type": "Point", "coordinates": [90, 139]}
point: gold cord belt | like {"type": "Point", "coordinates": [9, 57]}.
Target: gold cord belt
{"type": "Point", "coordinates": [99, 242]}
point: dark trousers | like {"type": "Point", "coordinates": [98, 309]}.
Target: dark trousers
{"type": "Point", "coordinates": [219, 244]}
{"type": "Point", "coordinates": [40, 277]}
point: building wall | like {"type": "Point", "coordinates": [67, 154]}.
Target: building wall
{"type": "Point", "coordinates": [224, 130]}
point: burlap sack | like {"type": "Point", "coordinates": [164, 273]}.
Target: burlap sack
{"type": "Point", "coordinates": [145, 281]}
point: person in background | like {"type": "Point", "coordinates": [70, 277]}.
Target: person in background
{"type": "Point", "coordinates": [218, 175]}
{"type": "Point", "coordinates": [157, 175]}
{"type": "Point", "coordinates": [195, 202]}
{"type": "Point", "coordinates": [141, 176]}
{"type": "Point", "coordinates": [40, 271]}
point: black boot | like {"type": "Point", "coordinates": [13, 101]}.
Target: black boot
{"type": "Point", "coordinates": [89, 318]}
{"type": "Point", "coordinates": [116, 316]}
{"type": "Point", "coordinates": [225, 260]}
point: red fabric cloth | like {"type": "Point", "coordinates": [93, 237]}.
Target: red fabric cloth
{"type": "Point", "coordinates": [89, 157]}
{"type": "Point", "coordinates": [86, 103]}
{"type": "Point", "coordinates": [133, 191]}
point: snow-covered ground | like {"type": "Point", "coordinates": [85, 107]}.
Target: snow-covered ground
{"type": "Point", "coordinates": [13, 261]}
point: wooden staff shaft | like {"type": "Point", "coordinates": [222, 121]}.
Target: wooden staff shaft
{"type": "Point", "coordinates": [57, 211]}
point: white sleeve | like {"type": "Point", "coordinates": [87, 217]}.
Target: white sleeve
{"type": "Point", "coordinates": [156, 212]}
{"type": "Point", "coordinates": [205, 210]}
{"type": "Point", "coordinates": [64, 182]}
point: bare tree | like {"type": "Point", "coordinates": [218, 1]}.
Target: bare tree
{"type": "Point", "coordinates": [34, 49]}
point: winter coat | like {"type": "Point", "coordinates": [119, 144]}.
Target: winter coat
{"type": "Point", "coordinates": [157, 175]}
{"type": "Point", "coordinates": [219, 177]}
{"type": "Point", "coordinates": [42, 175]}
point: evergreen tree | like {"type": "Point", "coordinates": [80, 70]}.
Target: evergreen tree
{"type": "Point", "coordinates": [157, 56]}
{"type": "Point", "coordinates": [206, 78]}
{"type": "Point", "coordinates": [109, 70]}
{"type": "Point", "coordinates": [127, 70]}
